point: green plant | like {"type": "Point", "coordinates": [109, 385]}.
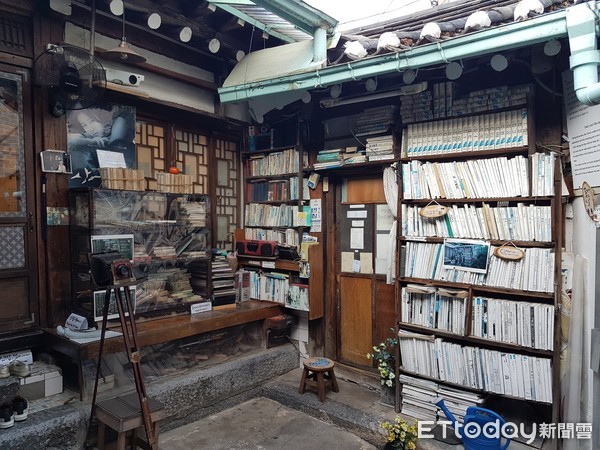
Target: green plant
{"type": "Point", "coordinates": [385, 355]}
{"type": "Point", "coordinates": [400, 435]}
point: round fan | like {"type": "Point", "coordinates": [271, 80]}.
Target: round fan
{"type": "Point", "coordinates": [72, 76]}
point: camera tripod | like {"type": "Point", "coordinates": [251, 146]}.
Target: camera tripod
{"type": "Point", "coordinates": [128, 327]}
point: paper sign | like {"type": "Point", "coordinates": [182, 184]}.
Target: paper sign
{"type": "Point", "coordinates": [357, 206]}
{"type": "Point", "coordinates": [384, 218]}
{"type": "Point", "coordinates": [358, 223]}
{"type": "Point", "coordinates": [347, 260]}
{"type": "Point", "coordinates": [200, 307]}
{"type": "Point", "coordinates": [366, 263]}
{"type": "Point", "coordinates": [76, 322]}
{"type": "Point", "coordinates": [357, 214]}
{"type": "Point", "coordinates": [110, 159]}
{"type": "Point", "coordinates": [357, 238]}
{"type": "Point", "coordinates": [356, 266]}
{"type": "Point", "coordinates": [268, 264]}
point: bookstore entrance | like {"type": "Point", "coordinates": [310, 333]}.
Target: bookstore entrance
{"type": "Point", "coordinates": [364, 303]}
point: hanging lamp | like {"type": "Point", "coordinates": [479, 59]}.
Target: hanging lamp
{"type": "Point", "coordinates": [123, 53]}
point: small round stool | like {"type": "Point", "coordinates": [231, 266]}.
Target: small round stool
{"type": "Point", "coordinates": [318, 373]}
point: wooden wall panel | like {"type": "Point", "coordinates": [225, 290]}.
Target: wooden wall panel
{"type": "Point", "coordinates": [364, 190]}
{"type": "Point", "coordinates": [385, 311]}
{"type": "Point", "coordinates": [355, 319]}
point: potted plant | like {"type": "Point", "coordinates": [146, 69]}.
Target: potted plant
{"type": "Point", "coordinates": [385, 355]}
{"type": "Point", "coordinates": [400, 435]}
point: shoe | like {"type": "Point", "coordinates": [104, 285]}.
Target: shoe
{"type": "Point", "coordinates": [4, 372]}
{"type": "Point", "coordinates": [6, 416]}
{"type": "Point", "coordinates": [19, 369]}
{"type": "Point", "coordinates": [20, 407]}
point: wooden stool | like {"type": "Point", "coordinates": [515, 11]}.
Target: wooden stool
{"type": "Point", "coordinates": [318, 373]}
{"type": "Point", "coordinates": [123, 414]}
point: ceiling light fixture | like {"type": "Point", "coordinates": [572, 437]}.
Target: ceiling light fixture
{"type": "Point", "coordinates": [454, 70]}
{"type": "Point", "coordinates": [335, 91]}
{"type": "Point", "coordinates": [123, 53]}
{"type": "Point", "coordinates": [409, 76]}
{"type": "Point", "coordinates": [371, 85]}
{"type": "Point", "coordinates": [499, 62]}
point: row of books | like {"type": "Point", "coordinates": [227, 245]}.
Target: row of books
{"type": "Point", "coordinates": [439, 308]}
{"type": "Point", "coordinates": [520, 323]}
{"type": "Point", "coordinates": [339, 157]}
{"type": "Point", "coordinates": [490, 99]}
{"type": "Point", "coordinates": [483, 178]}
{"type": "Point", "coordinates": [505, 373]}
{"type": "Point", "coordinates": [506, 129]}
{"type": "Point", "coordinates": [277, 163]}
{"type": "Point", "coordinates": [277, 190]}
{"type": "Point", "coordinates": [223, 281]}
{"type": "Point", "coordinates": [535, 272]}
{"type": "Point", "coordinates": [261, 215]}
{"type": "Point", "coordinates": [542, 174]}
{"type": "Point", "coordinates": [270, 286]}
{"type": "Point", "coordinates": [416, 107]}
{"type": "Point", "coordinates": [418, 399]}
{"type": "Point", "coordinates": [521, 222]}
{"type": "Point", "coordinates": [288, 237]}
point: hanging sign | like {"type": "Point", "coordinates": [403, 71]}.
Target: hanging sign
{"type": "Point", "coordinates": [433, 211]}
{"type": "Point", "coordinates": [589, 201]}
{"type": "Point", "coordinates": [509, 252]}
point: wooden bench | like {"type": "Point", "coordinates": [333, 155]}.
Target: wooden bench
{"type": "Point", "coordinates": [318, 373]}
{"type": "Point", "coordinates": [123, 414]}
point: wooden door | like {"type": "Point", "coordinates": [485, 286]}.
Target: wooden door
{"type": "Point", "coordinates": [365, 303]}
{"type": "Point", "coordinates": [18, 268]}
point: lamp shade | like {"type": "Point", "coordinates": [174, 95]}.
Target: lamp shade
{"type": "Point", "coordinates": [123, 54]}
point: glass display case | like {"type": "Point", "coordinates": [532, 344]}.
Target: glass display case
{"type": "Point", "coordinates": [159, 233]}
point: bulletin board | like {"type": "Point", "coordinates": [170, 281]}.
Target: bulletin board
{"type": "Point", "coordinates": [356, 238]}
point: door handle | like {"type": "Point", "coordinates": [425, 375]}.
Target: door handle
{"type": "Point", "coordinates": [30, 220]}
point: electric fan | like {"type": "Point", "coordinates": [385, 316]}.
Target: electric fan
{"type": "Point", "coordinates": [72, 77]}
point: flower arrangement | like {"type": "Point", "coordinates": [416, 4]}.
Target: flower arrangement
{"type": "Point", "coordinates": [400, 435]}
{"type": "Point", "coordinates": [385, 355]}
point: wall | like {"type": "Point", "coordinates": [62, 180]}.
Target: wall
{"type": "Point", "coordinates": [584, 244]}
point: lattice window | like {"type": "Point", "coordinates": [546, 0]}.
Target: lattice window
{"type": "Point", "coordinates": [150, 151]}
{"type": "Point", "coordinates": [192, 157]}
{"type": "Point", "coordinates": [15, 35]}
{"type": "Point", "coordinates": [227, 192]}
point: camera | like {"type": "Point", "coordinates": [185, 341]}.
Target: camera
{"type": "Point", "coordinates": [123, 77]}
{"type": "Point", "coordinates": [110, 269]}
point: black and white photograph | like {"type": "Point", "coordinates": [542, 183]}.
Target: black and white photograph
{"type": "Point", "coordinates": [103, 127]}
{"type": "Point", "coordinates": [467, 255]}
{"type": "Point", "coordinates": [122, 243]}
{"type": "Point", "coordinates": [113, 311]}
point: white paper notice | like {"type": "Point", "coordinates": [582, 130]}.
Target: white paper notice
{"type": "Point", "coordinates": [110, 159]}
{"type": "Point", "coordinates": [356, 266]}
{"type": "Point", "coordinates": [315, 215]}
{"type": "Point", "coordinates": [357, 214]}
{"type": "Point", "coordinates": [366, 263]}
{"type": "Point", "coordinates": [383, 218]}
{"type": "Point", "coordinates": [583, 125]}
{"type": "Point", "coordinates": [347, 260]}
{"type": "Point", "coordinates": [357, 206]}
{"type": "Point", "coordinates": [358, 223]}
{"type": "Point", "coordinates": [357, 238]}
{"type": "Point", "coordinates": [382, 246]}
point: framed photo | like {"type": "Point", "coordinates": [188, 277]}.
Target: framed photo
{"type": "Point", "coordinates": [465, 254]}
{"type": "Point", "coordinates": [122, 243]}
{"type": "Point", "coordinates": [113, 311]}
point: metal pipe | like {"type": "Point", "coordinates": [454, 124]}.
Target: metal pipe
{"type": "Point", "coordinates": [505, 37]}
{"type": "Point", "coordinates": [584, 60]}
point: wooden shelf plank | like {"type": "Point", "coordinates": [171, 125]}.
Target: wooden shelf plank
{"type": "Point", "coordinates": [497, 242]}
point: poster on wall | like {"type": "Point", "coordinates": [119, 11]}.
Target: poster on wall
{"type": "Point", "coordinates": [104, 128]}
{"type": "Point", "coordinates": [583, 125]}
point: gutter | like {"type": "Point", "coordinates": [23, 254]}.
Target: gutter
{"type": "Point", "coordinates": [584, 60]}
{"type": "Point", "coordinates": [504, 37]}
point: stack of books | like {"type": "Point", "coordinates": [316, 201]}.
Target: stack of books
{"type": "Point", "coordinates": [376, 120]}
{"type": "Point", "coordinates": [418, 398]}
{"type": "Point", "coordinates": [457, 401]}
{"type": "Point", "coordinates": [327, 159]}
{"type": "Point", "coordinates": [199, 271]}
{"type": "Point", "coordinates": [380, 148]}
{"type": "Point", "coordinates": [223, 281]}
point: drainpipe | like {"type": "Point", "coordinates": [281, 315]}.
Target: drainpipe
{"type": "Point", "coordinates": [319, 45]}
{"type": "Point", "coordinates": [585, 58]}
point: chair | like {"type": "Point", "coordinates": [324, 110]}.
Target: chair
{"type": "Point", "coordinates": [318, 373]}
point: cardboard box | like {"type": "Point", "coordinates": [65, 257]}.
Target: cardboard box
{"type": "Point", "coordinates": [45, 380]}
